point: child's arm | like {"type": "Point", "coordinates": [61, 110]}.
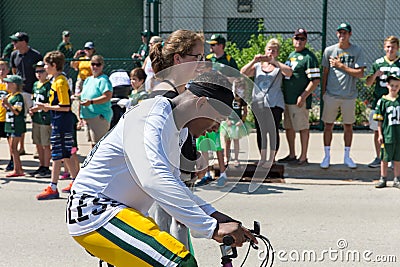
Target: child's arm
{"type": "Point", "coordinates": [46, 107]}
{"type": "Point", "coordinates": [14, 109]}
{"type": "Point", "coordinates": [380, 135]}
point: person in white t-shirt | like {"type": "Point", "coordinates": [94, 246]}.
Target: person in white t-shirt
{"type": "Point", "coordinates": [137, 164]}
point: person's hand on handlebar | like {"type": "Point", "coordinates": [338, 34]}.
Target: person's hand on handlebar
{"type": "Point", "coordinates": [233, 228]}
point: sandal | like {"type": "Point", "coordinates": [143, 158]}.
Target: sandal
{"type": "Point", "coordinates": [13, 174]}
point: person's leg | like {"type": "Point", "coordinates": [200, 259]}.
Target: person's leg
{"type": "Point", "coordinates": [348, 134]}
{"type": "Point", "coordinates": [122, 242]}
{"type": "Point", "coordinates": [227, 149]}
{"type": "Point", "coordinates": [290, 133]}
{"type": "Point", "coordinates": [304, 138]}
{"type": "Point", "coordinates": [236, 149]}
{"type": "Point", "coordinates": [13, 143]}
{"type": "Point", "coordinates": [21, 143]}
{"type": "Point", "coordinates": [40, 150]}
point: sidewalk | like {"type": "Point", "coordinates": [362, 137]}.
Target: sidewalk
{"type": "Point", "coordinates": [362, 153]}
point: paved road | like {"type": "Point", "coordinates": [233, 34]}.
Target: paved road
{"type": "Point", "coordinates": [300, 215]}
{"type": "Point", "coordinates": [296, 217]}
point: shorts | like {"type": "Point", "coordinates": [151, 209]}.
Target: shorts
{"type": "Point", "coordinates": [14, 134]}
{"type": "Point", "coordinates": [61, 145]}
{"type": "Point", "coordinates": [296, 118]}
{"type": "Point", "coordinates": [234, 131]}
{"type": "Point", "coordinates": [210, 142]}
{"type": "Point", "coordinates": [331, 109]}
{"type": "Point", "coordinates": [96, 128]}
{"type": "Point", "coordinates": [28, 102]}
{"type": "Point", "coordinates": [131, 239]}
{"type": "Point", "coordinates": [390, 152]}
{"type": "Point", "coordinates": [2, 129]}
{"type": "Point", "coordinates": [41, 134]}
{"type": "Point", "coordinates": [373, 124]}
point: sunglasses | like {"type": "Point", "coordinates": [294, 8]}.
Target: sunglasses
{"type": "Point", "coordinates": [200, 57]}
{"type": "Point", "coordinates": [39, 71]}
{"type": "Point", "coordinates": [95, 64]}
{"type": "Point", "coordinates": [300, 38]}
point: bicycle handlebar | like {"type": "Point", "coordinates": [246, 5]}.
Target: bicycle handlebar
{"type": "Point", "coordinates": [229, 253]}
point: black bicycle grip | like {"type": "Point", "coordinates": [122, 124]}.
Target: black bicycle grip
{"type": "Point", "coordinates": [228, 240]}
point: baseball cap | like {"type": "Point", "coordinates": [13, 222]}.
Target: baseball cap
{"type": "Point", "coordinates": [13, 79]}
{"type": "Point", "coordinates": [39, 64]}
{"type": "Point", "coordinates": [65, 33]}
{"type": "Point", "coordinates": [392, 77]}
{"type": "Point", "coordinates": [89, 45]}
{"type": "Point", "coordinates": [20, 36]}
{"type": "Point", "coordinates": [344, 26]}
{"type": "Point", "coordinates": [217, 39]}
{"type": "Point", "coordinates": [146, 33]}
{"type": "Point", "coordinates": [300, 31]}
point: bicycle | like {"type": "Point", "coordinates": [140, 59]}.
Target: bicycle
{"type": "Point", "coordinates": [229, 253]}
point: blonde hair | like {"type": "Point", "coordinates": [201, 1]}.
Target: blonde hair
{"type": "Point", "coordinates": [98, 58]}
{"type": "Point", "coordinates": [180, 42]}
{"type": "Point", "coordinates": [392, 39]}
{"type": "Point", "coordinates": [155, 39]}
{"type": "Point", "coordinates": [273, 43]}
{"type": "Point", "coordinates": [4, 63]}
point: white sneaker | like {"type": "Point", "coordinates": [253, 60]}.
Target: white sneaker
{"type": "Point", "coordinates": [325, 162]}
{"type": "Point", "coordinates": [350, 163]}
{"type": "Point", "coordinates": [222, 180]}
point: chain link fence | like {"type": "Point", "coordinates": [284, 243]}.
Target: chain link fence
{"type": "Point", "coordinates": [115, 27]}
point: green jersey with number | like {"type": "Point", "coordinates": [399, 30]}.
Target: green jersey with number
{"type": "Point", "coordinates": [305, 69]}
{"type": "Point", "coordinates": [41, 93]}
{"type": "Point", "coordinates": [387, 67]}
{"type": "Point", "coordinates": [388, 112]}
{"type": "Point", "coordinates": [15, 123]}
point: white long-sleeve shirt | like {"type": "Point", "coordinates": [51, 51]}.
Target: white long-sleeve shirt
{"type": "Point", "coordinates": [134, 165]}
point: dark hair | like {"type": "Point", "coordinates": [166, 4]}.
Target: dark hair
{"type": "Point", "coordinates": [55, 57]}
{"type": "Point", "coordinates": [139, 73]}
{"type": "Point", "coordinates": [179, 42]}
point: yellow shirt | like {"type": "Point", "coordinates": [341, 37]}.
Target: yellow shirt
{"type": "Point", "coordinates": [3, 93]}
{"type": "Point", "coordinates": [84, 69]}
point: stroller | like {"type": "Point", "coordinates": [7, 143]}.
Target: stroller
{"type": "Point", "coordinates": [121, 84]}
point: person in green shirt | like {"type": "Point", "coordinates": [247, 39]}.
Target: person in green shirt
{"type": "Point", "coordinates": [380, 70]}
{"type": "Point", "coordinates": [143, 50]}
{"type": "Point", "coordinates": [15, 120]}
{"type": "Point", "coordinates": [387, 113]}
{"type": "Point", "coordinates": [41, 122]}
{"type": "Point", "coordinates": [66, 48]}
{"type": "Point", "coordinates": [297, 90]}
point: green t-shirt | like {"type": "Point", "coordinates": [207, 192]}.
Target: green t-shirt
{"type": "Point", "coordinates": [137, 97]}
{"type": "Point", "coordinates": [305, 69]}
{"type": "Point", "coordinates": [387, 67]}
{"type": "Point", "coordinates": [66, 49]}
{"type": "Point", "coordinates": [225, 59]}
{"type": "Point", "coordinates": [388, 111]}
{"type": "Point", "coordinates": [41, 93]}
{"type": "Point", "coordinates": [15, 123]}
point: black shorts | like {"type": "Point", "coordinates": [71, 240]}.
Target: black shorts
{"type": "Point", "coordinates": [2, 132]}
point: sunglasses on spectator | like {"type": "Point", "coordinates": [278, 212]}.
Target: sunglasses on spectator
{"type": "Point", "coordinates": [200, 57]}
{"type": "Point", "coordinates": [300, 38]}
{"type": "Point", "coordinates": [95, 64]}
{"type": "Point", "coordinates": [40, 71]}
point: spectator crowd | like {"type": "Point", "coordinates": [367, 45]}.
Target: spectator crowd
{"type": "Point", "coordinates": [37, 87]}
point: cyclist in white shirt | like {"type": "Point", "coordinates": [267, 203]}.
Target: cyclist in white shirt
{"type": "Point", "coordinates": [137, 164]}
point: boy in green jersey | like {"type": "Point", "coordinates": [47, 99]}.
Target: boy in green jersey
{"type": "Point", "coordinates": [387, 113]}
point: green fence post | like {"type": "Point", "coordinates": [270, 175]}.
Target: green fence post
{"type": "Point", "coordinates": [323, 46]}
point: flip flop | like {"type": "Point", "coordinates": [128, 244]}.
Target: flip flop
{"type": "Point", "coordinates": [15, 175]}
